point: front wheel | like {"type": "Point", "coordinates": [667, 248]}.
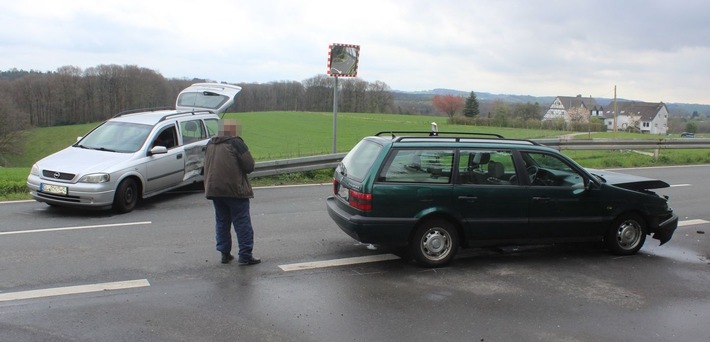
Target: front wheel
{"type": "Point", "coordinates": [626, 235]}
{"type": "Point", "coordinates": [435, 243]}
{"type": "Point", "coordinates": [126, 196]}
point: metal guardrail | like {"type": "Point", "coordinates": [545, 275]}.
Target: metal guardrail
{"type": "Point", "coordinates": [275, 167]}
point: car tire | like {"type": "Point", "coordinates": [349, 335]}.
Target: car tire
{"type": "Point", "coordinates": [126, 196]}
{"type": "Point", "coordinates": [434, 243]}
{"type": "Point", "coordinates": [626, 235]}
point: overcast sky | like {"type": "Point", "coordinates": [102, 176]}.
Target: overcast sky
{"type": "Point", "coordinates": [651, 50]}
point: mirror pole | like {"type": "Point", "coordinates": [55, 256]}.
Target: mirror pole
{"type": "Point", "coordinates": [335, 115]}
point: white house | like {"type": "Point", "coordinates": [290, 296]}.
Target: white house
{"type": "Point", "coordinates": [646, 117]}
{"type": "Point", "coordinates": [573, 109]}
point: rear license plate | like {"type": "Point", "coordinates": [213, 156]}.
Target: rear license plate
{"type": "Point", "coordinates": [53, 189]}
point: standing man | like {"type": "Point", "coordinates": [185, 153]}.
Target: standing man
{"type": "Point", "coordinates": [227, 163]}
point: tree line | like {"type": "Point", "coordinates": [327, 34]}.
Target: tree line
{"type": "Point", "coordinates": [71, 95]}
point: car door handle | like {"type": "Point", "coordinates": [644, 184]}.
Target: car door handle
{"type": "Point", "coordinates": [541, 199]}
{"type": "Point", "coordinates": [468, 198]}
{"type": "Point", "coordinates": [178, 156]}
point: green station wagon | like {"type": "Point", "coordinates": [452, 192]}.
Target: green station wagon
{"type": "Point", "coordinates": [438, 191]}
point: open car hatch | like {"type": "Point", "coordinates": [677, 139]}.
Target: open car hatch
{"type": "Point", "coordinates": [215, 97]}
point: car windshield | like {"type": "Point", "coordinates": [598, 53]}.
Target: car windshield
{"type": "Point", "coordinates": [114, 136]}
{"type": "Point", "coordinates": [359, 161]}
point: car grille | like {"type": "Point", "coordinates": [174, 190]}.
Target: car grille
{"type": "Point", "coordinates": [57, 175]}
{"type": "Point", "coordinates": [72, 199]}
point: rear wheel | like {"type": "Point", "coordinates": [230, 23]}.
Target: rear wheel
{"type": "Point", "coordinates": [435, 243]}
{"type": "Point", "coordinates": [626, 235]}
{"type": "Point", "coordinates": [126, 196]}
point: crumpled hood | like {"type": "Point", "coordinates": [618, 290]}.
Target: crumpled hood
{"type": "Point", "coordinates": [636, 183]}
{"type": "Point", "coordinates": [82, 161]}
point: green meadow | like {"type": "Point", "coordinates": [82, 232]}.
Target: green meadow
{"type": "Point", "coordinates": [284, 135]}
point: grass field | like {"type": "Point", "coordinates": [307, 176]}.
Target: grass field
{"type": "Point", "coordinates": [283, 135]}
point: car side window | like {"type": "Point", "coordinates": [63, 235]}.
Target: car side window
{"type": "Point", "coordinates": [486, 167]}
{"type": "Point", "coordinates": [545, 169]}
{"type": "Point", "coordinates": [166, 137]}
{"type": "Point", "coordinates": [418, 166]}
{"type": "Point", "coordinates": [192, 131]}
{"type": "Point", "coordinates": [212, 127]}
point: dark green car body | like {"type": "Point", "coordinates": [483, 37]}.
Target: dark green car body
{"type": "Point", "coordinates": [437, 193]}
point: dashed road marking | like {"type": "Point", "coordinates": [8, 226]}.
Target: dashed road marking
{"type": "Point", "coordinates": [337, 262]}
{"type": "Point", "coordinates": [59, 291]}
{"type": "Point", "coordinates": [76, 228]}
{"type": "Point", "coordinates": [691, 222]}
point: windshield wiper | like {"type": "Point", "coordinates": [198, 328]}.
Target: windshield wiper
{"type": "Point", "coordinates": [104, 149]}
{"type": "Point", "coordinates": [600, 178]}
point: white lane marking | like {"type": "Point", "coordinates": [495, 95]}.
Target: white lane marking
{"type": "Point", "coordinates": [678, 185]}
{"type": "Point", "coordinates": [76, 227]}
{"type": "Point", "coordinates": [18, 201]}
{"type": "Point", "coordinates": [337, 262]}
{"type": "Point", "coordinates": [59, 291]}
{"type": "Point", "coordinates": [691, 222]}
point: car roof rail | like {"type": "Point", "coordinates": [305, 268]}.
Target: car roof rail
{"type": "Point", "coordinates": [457, 136]}
{"type": "Point", "coordinates": [434, 134]}
{"type": "Point", "coordinates": [187, 112]}
{"type": "Point", "coordinates": [142, 110]}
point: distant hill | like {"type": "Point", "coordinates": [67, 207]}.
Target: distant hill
{"type": "Point", "coordinates": [544, 101]}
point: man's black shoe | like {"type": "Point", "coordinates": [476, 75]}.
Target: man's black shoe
{"type": "Point", "coordinates": [226, 258]}
{"type": "Point", "coordinates": [251, 261]}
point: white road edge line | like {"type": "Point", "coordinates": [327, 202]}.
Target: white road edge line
{"type": "Point", "coordinates": [337, 262]}
{"type": "Point", "coordinates": [59, 291]}
{"type": "Point", "coordinates": [691, 222]}
{"type": "Point", "coordinates": [678, 185]}
{"type": "Point", "coordinates": [76, 227]}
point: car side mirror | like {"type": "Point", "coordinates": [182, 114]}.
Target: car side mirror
{"type": "Point", "coordinates": [158, 150]}
{"type": "Point", "coordinates": [590, 185]}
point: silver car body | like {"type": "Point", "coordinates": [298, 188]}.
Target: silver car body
{"type": "Point", "coordinates": [155, 151]}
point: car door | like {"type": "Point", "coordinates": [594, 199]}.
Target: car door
{"type": "Point", "coordinates": [194, 140]}
{"type": "Point", "coordinates": [491, 206]}
{"type": "Point", "coordinates": [165, 170]}
{"type": "Point", "coordinates": [560, 206]}
{"type": "Point", "coordinates": [413, 182]}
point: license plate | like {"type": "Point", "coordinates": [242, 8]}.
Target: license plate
{"type": "Point", "coordinates": [53, 189]}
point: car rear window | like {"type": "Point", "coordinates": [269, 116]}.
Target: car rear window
{"type": "Point", "coordinates": [360, 159]}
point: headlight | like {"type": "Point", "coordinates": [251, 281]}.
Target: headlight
{"type": "Point", "coordinates": [95, 178]}
{"type": "Point", "coordinates": [35, 170]}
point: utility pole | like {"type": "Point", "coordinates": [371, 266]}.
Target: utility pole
{"type": "Point", "coordinates": [615, 110]}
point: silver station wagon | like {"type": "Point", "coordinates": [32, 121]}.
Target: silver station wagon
{"type": "Point", "coordinates": [136, 154]}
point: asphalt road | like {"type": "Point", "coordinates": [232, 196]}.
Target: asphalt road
{"type": "Point", "coordinates": [153, 275]}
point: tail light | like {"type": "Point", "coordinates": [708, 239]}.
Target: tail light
{"type": "Point", "coordinates": [360, 201]}
{"type": "Point", "coordinates": [355, 199]}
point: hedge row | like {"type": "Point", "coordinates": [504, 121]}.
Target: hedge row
{"type": "Point", "coordinates": [12, 187]}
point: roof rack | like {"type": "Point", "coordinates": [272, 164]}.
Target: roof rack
{"type": "Point", "coordinates": [166, 116]}
{"type": "Point", "coordinates": [191, 112]}
{"type": "Point", "coordinates": [457, 138]}
{"type": "Point", "coordinates": [142, 110]}
{"type": "Point", "coordinates": [433, 134]}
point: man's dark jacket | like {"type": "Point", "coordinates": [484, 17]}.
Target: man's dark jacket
{"type": "Point", "coordinates": [227, 163]}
